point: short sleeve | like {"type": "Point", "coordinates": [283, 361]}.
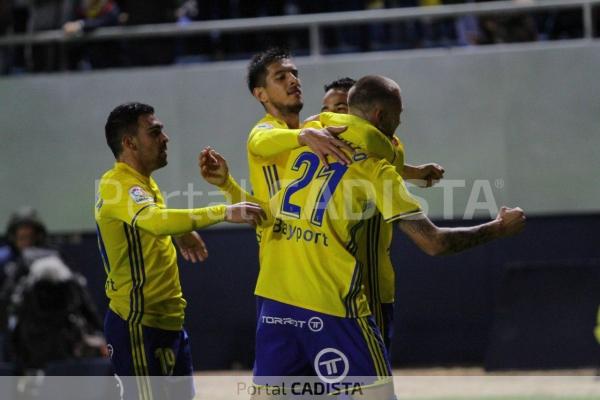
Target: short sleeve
{"type": "Point", "coordinates": [391, 196]}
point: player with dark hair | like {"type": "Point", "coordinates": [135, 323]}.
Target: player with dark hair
{"type": "Point", "coordinates": [311, 269]}
{"type": "Point", "coordinates": [273, 80]}
{"type": "Point", "coordinates": [336, 95]}
{"type": "Point", "coordinates": [144, 323]}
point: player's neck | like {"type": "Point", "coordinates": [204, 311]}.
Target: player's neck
{"type": "Point", "coordinates": [135, 164]}
{"type": "Point", "coordinates": [292, 120]}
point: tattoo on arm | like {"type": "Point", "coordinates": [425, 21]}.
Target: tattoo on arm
{"type": "Point", "coordinates": [442, 241]}
{"type": "Point", "coordinates": [458, 239]}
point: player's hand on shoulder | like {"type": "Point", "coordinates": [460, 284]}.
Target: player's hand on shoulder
{"type": "Point", "coordinates": [323, 142]}
{"type": "Point", "coordinates": [245, 212]}
{"type": "Point", "coordinates": [511, 220]}
{"type": "Point", "coordinates": [213, 167]}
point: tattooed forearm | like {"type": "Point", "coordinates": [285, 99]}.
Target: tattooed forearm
{"type": "Point", "coordinates": [440, 241]}
{"type": "Point", "coordinates": [455, 240]}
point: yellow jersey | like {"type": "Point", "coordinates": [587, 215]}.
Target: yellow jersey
{"type": "Point", "coordinates": [268, 147]}
{"type": "Point", "coordinates": [374, 245]}
{"type": "Point", "coordinates": [134, 236]}
{"type": "Point", "coordinates": [269, 144]}
{"type": "Point", "coordinates": [381, 275]}
{"type": "Point", "coordinates": [310, 256]}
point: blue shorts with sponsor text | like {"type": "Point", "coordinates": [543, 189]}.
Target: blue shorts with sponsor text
{"type": "Point", "coordinates": [296, 342]}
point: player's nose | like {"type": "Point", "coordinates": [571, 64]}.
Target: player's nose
{"type": "Point", "coordinates": [294, 80]}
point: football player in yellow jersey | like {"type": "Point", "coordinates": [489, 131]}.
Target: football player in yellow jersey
{"type": "Point", "coordinates": [315, 317]}
{"type": "Point", "coordinates": [380, 276]}
{"type": "Point", "coordinates": [309, 271]}
{"type": "Point", "coordinates": [273, 80]}
{"type": "Point", "coordinates": [144, 323]}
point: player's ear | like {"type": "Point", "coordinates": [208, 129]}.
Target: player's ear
{"type": "Point", "coordinates": [260, 93]}
{"type": "Point", "coordinates": [129, 142]}
{"type": "Point", "coordinates": [377, 115]}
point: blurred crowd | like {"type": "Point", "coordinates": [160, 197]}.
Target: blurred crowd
{"type": "Point", "coordinates": [77, 17]}
{"type": "Point", "coordinates": [46, 313]}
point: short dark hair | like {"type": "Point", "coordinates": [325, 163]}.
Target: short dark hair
{"type": "Point", "coordinates": [343, 84]}
{"type": "Point", "coordinates": [123, 119]}
{"type": "Point", "coordinates": [26, 216]}
{"type": "Point", "coordinates": [371, 91]}
{"type": "Point", "coordinates": [257, 68]}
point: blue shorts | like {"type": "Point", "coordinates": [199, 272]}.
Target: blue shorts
{"type": "Point", "coordinates": [162, 358]}
{"type": "Point", "coordinates": [384, 317]}
{"type": "Point", "coordinates": [293, 341]}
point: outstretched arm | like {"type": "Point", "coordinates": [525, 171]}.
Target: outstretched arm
{"type": "Point", "coordinates": [437, 241]}
{"type": "Point", "coordinates": [425, 175]}
{"type": "Point", "coordinates": [162, 221]}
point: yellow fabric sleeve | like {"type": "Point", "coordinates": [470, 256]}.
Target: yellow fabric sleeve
{"type": "Point", "coordinates": [234, 193]}
{"type": "Point", "coordinates": [399, 160]}
{"type": "Point", "coordinates": [269, 142]}
{"type": "Point", "coordinates": [162, 221]}
{"type": "Point", "coordinates": [391, 196]}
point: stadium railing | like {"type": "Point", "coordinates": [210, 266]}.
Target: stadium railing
{"type": "Point", "coordinates": [312, 22]}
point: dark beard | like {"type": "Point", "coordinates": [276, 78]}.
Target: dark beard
{"type": "Point", "coordinates": [289, 109]}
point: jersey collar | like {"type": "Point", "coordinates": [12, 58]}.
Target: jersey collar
{"type": "Point", "coordinates": [121, 166]}
{"type": "Point", "coordinates": [273, 119]}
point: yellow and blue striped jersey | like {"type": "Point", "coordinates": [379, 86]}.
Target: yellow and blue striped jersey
{"type": "Point", "coordinates": [310, 255]}
{"type": "Point", "coordinates": [134, 235]}
{"type": "Point", "coordinates": [269, 144]}
{"type": "Point", "coordinates": [268, 147]}
{"type": "Point", "coordinates": [381, 276]}
{"type": "Point", "coordinates": [374, 246]}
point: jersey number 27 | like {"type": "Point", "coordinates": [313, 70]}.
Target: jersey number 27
{"type": "Point", "coordinates": [332, 174]}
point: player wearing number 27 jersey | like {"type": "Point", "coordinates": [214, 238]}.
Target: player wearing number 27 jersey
{"type": "Point", "coordinates": [310, 269]}
{"type": "Point", "coordinates": [310, 258]}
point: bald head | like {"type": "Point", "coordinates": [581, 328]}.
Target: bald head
{"type": "Point", "coordinates": [376, 99]}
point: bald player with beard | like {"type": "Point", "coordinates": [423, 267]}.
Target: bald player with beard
{"type": "Point", "coordinates": [381, 277]}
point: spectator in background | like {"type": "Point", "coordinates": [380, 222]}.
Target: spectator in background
{"type": "Point", "coordinates": [154, 51]}
{"type": "Point", "coordinates": [53, 317]}
{"type": "Point", "coordinates": [26, 241]}
{"type": "Point", "coordinates": [92, 14]}
{"type": "Point", "coordinates": [46, 15]}
{"type": "Point", "coordinates": [466, 27]}
{"type": "Point", "coordinates": [24, 230]}
{"type": "Point", "coordinates": [507, 28]}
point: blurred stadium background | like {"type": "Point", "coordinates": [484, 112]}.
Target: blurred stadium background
{"type": "Point", "coordinates": [504, 94]}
